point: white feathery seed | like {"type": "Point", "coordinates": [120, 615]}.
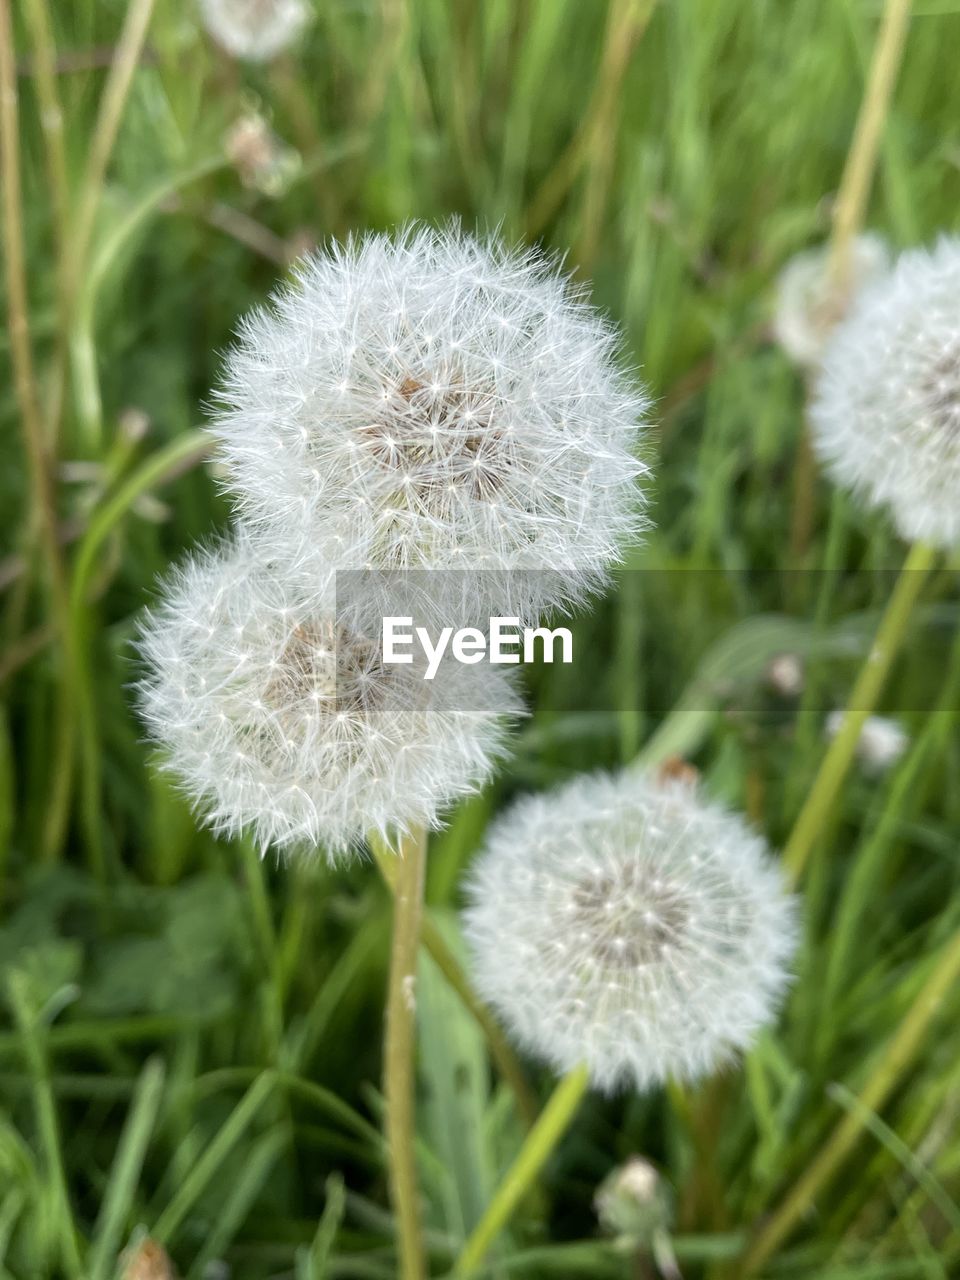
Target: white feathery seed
{"type": "Point", "coordinates": [276, 717]}
{"type": "Point", "coordinates": [627, 923]}
{"type": "Point", "coordinates": [430, 400]}
{"type": "Point", "coordinates": [881, 743]}
{"type": "Point", "coordinates": [806, 305]}
{"type": "Point", "coordinates": [886, 411]}
{"type": "Point", "coordinates": [254, 30]}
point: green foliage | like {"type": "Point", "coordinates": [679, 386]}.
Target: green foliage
{"type": "Point", "coordinates": [190, 1038]}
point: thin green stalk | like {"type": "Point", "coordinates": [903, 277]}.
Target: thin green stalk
{"type": "Point", "coordinates": [851, 202]}
{"type": "Point", "coordinates": [207, 1166]}
{"type": "Point", "coordinates": [34, 1051]}
{"type": "Point", "coordinates": [43, 513]}
{"type": "Point", "coordinates": [849, 211]}
{"type": "Point", "coordinates": [836, 763]}
{"type": "Point", "coordinates": [399, 1083]}
{"type": "Point", "coordinates": [160, 467]}
{"type": "Point", "coordinates": [112, 102]}
{"type": "Point", "coordinates": [51, 124]}
{"type": "Point", "coordinates": [506, 1061]}
{"type": "Point", "coordinates": [125, 1172]}
{"type": "Point", "coordinates": [897, 1057]}
{"type": "Point", "coordinates": [540, 1143]}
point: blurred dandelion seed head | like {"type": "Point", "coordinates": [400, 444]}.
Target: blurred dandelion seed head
{"type": "Point", "coordinates": [886, 413]}
{"type": "Point", "coordinates": [254, 30]}
{"type": "Point", "coordinates": [627, 923]}
{"type": "Point", "coordinates": [806, 306]}
{"type": "Point", "coordinates": [278, 717]}
{"type": "Point", "coordinates": [881, 744]}
{"type": "Point", "coordinates": [263, 161]}
{"type": "Point", "coordinates": [429, 400]}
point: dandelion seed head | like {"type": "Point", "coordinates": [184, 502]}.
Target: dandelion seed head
{"type": "Point", "coordinates": [277, 717]}
{"type": "Point", "coordinates": [886, 413]}
{"type": "Point", "coordinates": [881, 744]}
{"type": "Point", "coordinates": [254, 30]}
{"type": "Point", "coordinates": [627, 923]}
{"type": "Point", "coordinates": [437, 401]}
{"type": "Point", "coordinates": [806, 305]}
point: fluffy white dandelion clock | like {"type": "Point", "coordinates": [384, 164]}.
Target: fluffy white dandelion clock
{"type": "Point", "coordinates": [806, 310]}
{"type": "Point", "coordinates": [255, 30]}
{"type": "Point", "coordinates": [277, 717]}
{"type": "Point", "coordinates": [886, 413]}
{"type": "Point", "coordinates": [430, 400]}
{"type": "Point", "coordinates": [628, 924]}
{"type": "Point", "coordinates": [881, 744]}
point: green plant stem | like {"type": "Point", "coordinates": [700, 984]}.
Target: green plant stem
{"type": "Point", "coordinates": [33, 1047]}
{"type": "Point", "coordinates": [399, 1086]}
{"type": "Point", "coordinates": [898, 1055]}
{"type": "Point", "coordinates": [836, 763]}
{"type": "Point", "coordinates": [162, 466]}
{"type": "Point", "coordinates": [541, 1141]}
{"type": "Point", "coordinates": [43, 513]}
{"type": "Point", "coordinates": [36, 14]}
{"type": "Point", "coordinates": [851, 202]}
{"type": "Point", "coordinates": [506, 1061]}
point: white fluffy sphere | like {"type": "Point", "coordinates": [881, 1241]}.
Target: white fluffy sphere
{"type": "Point", "coordinates": [886, 413]}
{"type": "Point", "coordinates": [881, 744]}
{"type": "Point", "coordinates": [277, 717]}
{"type": "Point", "coordinates": [429, 400]}
{"type": "Point", "coordinates": [255, 30]}
{"type": "Point", "coordinates": [806, 305]}
{"type": "Point", "coordinates": [627, 923]}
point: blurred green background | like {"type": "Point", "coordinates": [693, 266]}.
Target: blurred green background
{"type": "Point", "coordinates": [190, 1044]}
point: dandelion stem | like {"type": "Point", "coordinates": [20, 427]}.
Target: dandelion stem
{"type": "Point", "coordinates": [861, 163]}
{"type": "Point", "coordinates": [399, 1078]}
{"type": "Point", "coordinates": [869, 684]}
{"type": "Point", "coordinates": [507, 1062]}
{"type": "Point", "coordinates": [884, 1077]}
{"type": "Point", "coordinates": [537, 1148]}
{"type": "Point", "coordinates": [848, 215]}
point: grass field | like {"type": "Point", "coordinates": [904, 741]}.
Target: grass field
{"type": "Point", "coordinates": [190, 1046]}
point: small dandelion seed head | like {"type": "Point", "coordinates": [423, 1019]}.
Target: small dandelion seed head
{"type": "Point", "coordinates": [881, 744]}
{"type": "Point", "coordinates": [627, 923]}
{"type": "Point", "coordinates": [263, 162]}
{"type": "Point", "coordinates": [439, 402]}
{"type": "Point", "coordinates": [278, 717]}
{"type": "Point", "coordinates": [254, 30]}
{"type": "Point", "coordinates": [806, 305]}
{"type": "Point", "coordinates": [886, 412]}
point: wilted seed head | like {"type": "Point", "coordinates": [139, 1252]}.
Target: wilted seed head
{"type": "Point", "coordinates": [430, 400]}
{"type": "Point", "coordinates": [277, 717]}
{"type": "Point", "coordinates": [255, 30]}
{"type": "Point", "coordinates": [881, 743]}
{"type": "Point", "coordinates": [627, 923]}
{"type": "Point", "coordinates": [807, 306]}
{"type": "Point", "coordinates": [886, 413]}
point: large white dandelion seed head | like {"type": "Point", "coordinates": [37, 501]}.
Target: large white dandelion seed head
{"type": "Point", "coordinates": [886, 412]}
{"type": "Point", "coordinates": [430, 400]}
{"type": "Point", "coordinates": [806, 302]}
{"type": "Point", "coordinates": [278, 717]}
{"type": "Point", "coordinates": [626, 923]}
{"type": "Point", "coordinates": [255, 30]}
